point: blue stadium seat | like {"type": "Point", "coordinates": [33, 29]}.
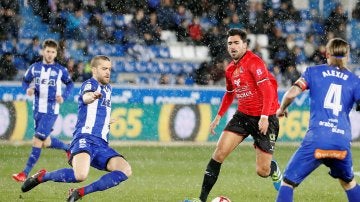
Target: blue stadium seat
{"type": "Point", "coordinates": [164, 67]}
{"type": "Point", "coordinates": [289, 27]}
{"type": "Point", "coordinates": [153, 67]}
{"type": "Point", "coordinates": [318, 28]}
{"type": "Point", "coordinates": [118, 35]}
{"type": "Point", "coordinates": [20, 47]}
{"type": "Point", "coordinates": [93, 49]}
{"type": "Point", "coordinates": [119, 66]}
{"type": "Point", "coordinates": [107, 19]}
{"type": "Point", "coordinates": [305, 14]}
{"type": "Point", "coordinates": [119, 21]}
{"type": "Point", "coordinates": [355, 33]}
{"type": "Point", "coordinates": [7, 46]}
{"type": "Point", "coordinates": [20, 63]}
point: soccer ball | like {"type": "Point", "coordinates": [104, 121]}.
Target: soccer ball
{"type": "Point", "coordinates": [221, 199]}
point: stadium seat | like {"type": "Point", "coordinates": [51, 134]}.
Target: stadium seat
{"type": "Point", "coordinates": [189, 52]}
{"type": "Point", "coordinates": [20, 63]}
{"type": "Point", "coordinates": [164, 67]}
{"type": "Point", "coordinates": [262, 40]}
{"type": "Point", "coordinates": [202, 52]}
{"type": "Point", "coordinates": [119, 21]}
{"type": "Point", "coordinates": [169, 37]}
{"type": "Point", "coordinates": [118, 35]}
{"type": "Point", "coordinates": [265, 55]}
{"type": "Point", "coordinates": [107, 19]}
{"type": "Point", "coordinates": [252, 38]}
{"type": "Point", "coordinates": [176, 52]}
{"type": "Point", "coordinates": [289, 27]}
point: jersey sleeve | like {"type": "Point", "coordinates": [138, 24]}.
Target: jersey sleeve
{"type": "Point", "coordinates": [228, 97]}
{"type": "Point", "coordinates": [304, 80]}
{"type": "Point", "coordinates": [261, 76]}
{"type": "Point", "coordinates": [28, 77]}
{"type": "Point", "coordinates": [65, 78]}
{"type": "Point", "coordinates": [88, 86]}
{"type": "Point", "coordinates": [259, 70]}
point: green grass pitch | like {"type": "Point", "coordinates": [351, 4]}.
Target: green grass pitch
{"type": "Point", "coordinates": [169, 173]}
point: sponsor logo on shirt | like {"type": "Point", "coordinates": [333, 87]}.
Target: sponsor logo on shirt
{"type": "Point", "coordinates": [50, 82]}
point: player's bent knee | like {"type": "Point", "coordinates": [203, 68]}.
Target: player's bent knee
{"type": "Point", "coordinates": [80, 176]}
{"type": "Point", "coordinates": [128, 171]}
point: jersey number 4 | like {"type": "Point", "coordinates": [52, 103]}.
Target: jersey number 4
{"type": "Point", "coordinates": [333, 99]}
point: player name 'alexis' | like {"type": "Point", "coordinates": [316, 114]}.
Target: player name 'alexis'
{"type": "Point", "coordinates": [335, 73]}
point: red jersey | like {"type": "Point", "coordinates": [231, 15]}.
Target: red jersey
{"type": "Point", "coordinates": [252, 84]}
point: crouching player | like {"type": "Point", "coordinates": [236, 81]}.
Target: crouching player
{"type": "Point", "coordinates": [89, 146]}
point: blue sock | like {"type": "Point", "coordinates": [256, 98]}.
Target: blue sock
{"type": "Point", "coordinates": [61, 175]}
{"type": "Point", "coordinates": [105, 182]}
{"type": "Point", "coordinates": [285, 194]}
{"type": "Point", "coordinates": [353, 194]}
{"type": "Point", "coordinates": [33, 158]}
{"type": "Point", "coordinates": [57, 144]}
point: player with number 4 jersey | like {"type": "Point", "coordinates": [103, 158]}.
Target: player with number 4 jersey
{"type": "Point", "coordinates": [333, 91]}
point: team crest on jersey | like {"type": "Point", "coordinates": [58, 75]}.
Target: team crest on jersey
{"type": "Point", "coordinates": [53, 73]}
{"type": "Point", "coordinates": [237, 82]}
{"type": "Point", "coordinates": [87, 87]}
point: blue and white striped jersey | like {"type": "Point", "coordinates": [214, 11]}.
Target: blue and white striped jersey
{"type": "Point", "coordinates": [48, 79]}
{"type": "Point", "coordinates": [94, 118]}
{"type": "Point", "coordinates": [333, 93]}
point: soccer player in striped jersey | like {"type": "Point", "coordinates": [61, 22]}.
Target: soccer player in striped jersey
{"type": "Point", "coordinates": [89, 146]}
{"type": "Point", "coordinates": [48, 77]}
{"type": "Point", "coordinates": [333, 91]}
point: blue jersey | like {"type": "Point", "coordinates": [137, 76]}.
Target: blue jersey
{"type": "Point", "coordinates": [333, 93]}
{"type": "Point", "coordinates": [48, 79]}
{"type": "Point", "coordinates": [94, 118]}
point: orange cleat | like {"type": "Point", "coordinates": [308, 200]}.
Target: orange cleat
{"type": "Point", "coordinates": [19, 177]}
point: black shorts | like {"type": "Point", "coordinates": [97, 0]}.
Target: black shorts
{"type": "Point", "coordinates": [246, 125]}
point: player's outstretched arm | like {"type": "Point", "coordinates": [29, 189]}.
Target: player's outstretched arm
{"type": "Point", "coordinates": [288, 98]}
{"type": "Point", "coordinates": [90, 97]}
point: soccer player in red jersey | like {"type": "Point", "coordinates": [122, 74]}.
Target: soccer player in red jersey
{"type": "Point", "coordinates": [247, 79]}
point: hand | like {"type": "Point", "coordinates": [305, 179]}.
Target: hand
{"type": "Point", "coordinates": [30, 91]}
{"type": "Point", "coordinates": [214, 123]}
{"type": "Point", "coordinates": [96, 95]}
{"type": "Point", "coordinates": [281, 113]}
{"type": "Point", "coordinates": [59, 99]}
{"type": "Point", "coordinates": [263, 124]}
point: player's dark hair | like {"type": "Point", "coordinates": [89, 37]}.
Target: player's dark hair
{"type": "Point", "coordinates": [95, 60]}
{"type": "Point", "coordinates": [239, 32]}
{"type": "Point", "coordinates": [50, 43]}
{"type": "Point", "coordinates": [338, 50]}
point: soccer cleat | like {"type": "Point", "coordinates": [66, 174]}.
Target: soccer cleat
{"type": "Point", "coordinates": [276, 176]}
{"type": "Point", "coordinates": [74, 195]}
{"type": "Point", "coordinates": [33, 181]}
{"type": "Point", "coordinates": [19, 177]}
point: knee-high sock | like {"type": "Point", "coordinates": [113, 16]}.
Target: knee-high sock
{"type": "Point", "coordinates": [57, 144]}
{"type": "Point", "coordinates": [33, 158]}
{"type": "Point", "coordinates": [210, 177]}
{"type": "Point", "coordinates": [353, 194]}
{"type": "Point", "coordinates": [61, 175]}
{"type": "Point", "coordinates": [104, 182]}
{"type": "Point", "coordinates": [285, 194]}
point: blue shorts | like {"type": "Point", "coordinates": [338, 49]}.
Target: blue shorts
{"type": "Point", "coordinates": [303, 162]}
{"type": "Point", "coordinates": [44, 124]}
{"type": "Point", "coordinates": [99, 150]}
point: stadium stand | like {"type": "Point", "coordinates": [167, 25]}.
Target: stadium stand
{"type": "Point", "coordinates": [165, 46]}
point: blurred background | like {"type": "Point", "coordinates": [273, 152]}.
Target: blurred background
{"type": "Point", "coordinates": [167, 52]}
